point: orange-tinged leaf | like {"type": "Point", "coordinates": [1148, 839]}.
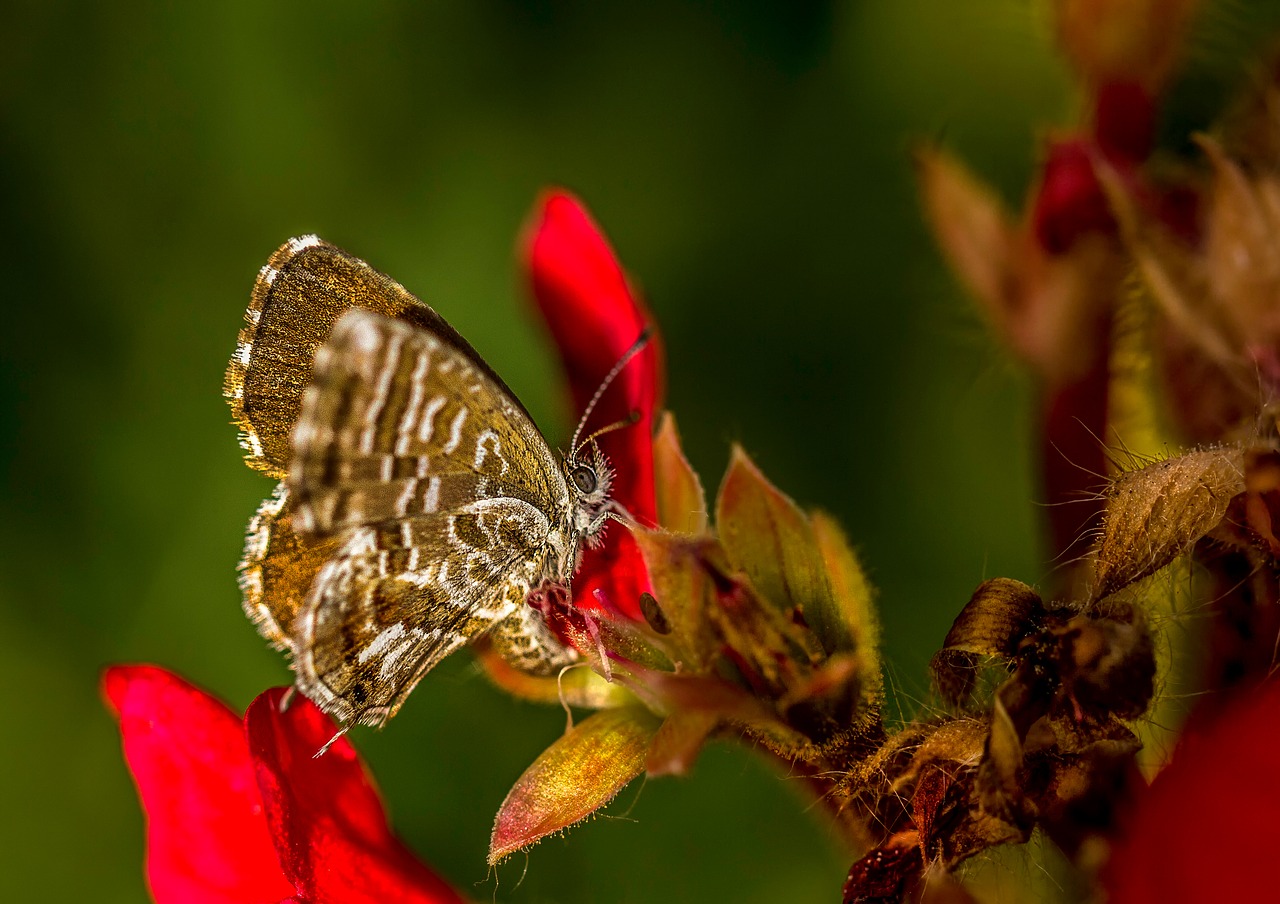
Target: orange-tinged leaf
{"type": "Point", "coordinates": [578, 686]}
{"type": "Point", "coordinates": [574, 777]}
{"type": "Point", "coordinates": [766, 536]}
{"type": "Point", "coordinates": [1130, 40]}
{"type": "Point", "coordinates": [973, 228]}
{"type": "Point", "coordinates": [851, 623]}
{"type": "Point", "coordinates": [682, 505]}
{"type": "Point", "coordinates": [679, 741]}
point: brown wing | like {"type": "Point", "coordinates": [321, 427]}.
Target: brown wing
{"type": "Point", "coordinates": [278, 568]}
{"type": "Point", "coordinates": [399, 424]}
{"type": "Point", "coordinates": [447, 501]}
{"type": "Point", "coordinates": [396, 600]}
{"type": "Point", "coordinates": [300, 294]}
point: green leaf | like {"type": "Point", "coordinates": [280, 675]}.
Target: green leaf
{"type": "Point", "coordinates": [767, 537]}
{"type": "Point", "coordinates": [574, 777]}
{"type": "Point", "coordinates": [682, 505]}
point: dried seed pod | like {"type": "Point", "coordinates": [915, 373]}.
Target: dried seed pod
{"type": "Point", "coordinates": [1157, 513]}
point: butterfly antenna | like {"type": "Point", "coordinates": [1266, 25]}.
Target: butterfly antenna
{"type": "Point", "coordinates": [629, 420]}
{"type": "Point", "coordinates": [604, 384]}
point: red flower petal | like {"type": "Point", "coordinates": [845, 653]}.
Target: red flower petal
{"type": "Point", "coordinates": [207, 836]}
{"type": "Point", "coordinates": [325, 814]}
{"type": "Point", "coordinates": [1124, 122]}
{"type": "Point", "coordinates": [1205, 829]}
{"type": "Point", "coordinates": [595, 317]}
{"type": "Point", "coordinates": [1070, 202]}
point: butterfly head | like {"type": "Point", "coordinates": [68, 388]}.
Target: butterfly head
{"type": "Point", "coordinates": [587, 471]}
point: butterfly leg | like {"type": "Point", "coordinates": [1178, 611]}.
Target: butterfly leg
{"type": "Point", "coordinates": [524, 640]}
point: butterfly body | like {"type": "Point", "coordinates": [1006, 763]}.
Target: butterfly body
{"type": "Point", "coordinates": [419, 505]}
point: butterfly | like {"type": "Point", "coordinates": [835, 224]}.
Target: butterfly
{"type": "Point", "coordinates": [418, 504]}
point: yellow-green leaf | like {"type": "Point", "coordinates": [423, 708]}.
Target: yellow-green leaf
{"type": "Point", "coordinates": [678, 742]}
{"type": "Point", "coordinates": [574, 777]}
{"type": "Point", "coordinates": [851, 623]}
{"type": "Point", "coordinates": [768, 538]}
{"type": "Point", "coordinates": [682, 506]}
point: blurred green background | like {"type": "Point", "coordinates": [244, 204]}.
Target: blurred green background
{"type": "Point", "coordinates": [751, 164]}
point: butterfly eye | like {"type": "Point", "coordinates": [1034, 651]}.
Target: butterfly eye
{"type": "Point", "coordinates": [584, 478]}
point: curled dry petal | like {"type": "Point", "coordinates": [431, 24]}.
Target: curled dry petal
{"type": "Point", "coordinates": [573, 778]}
{"type": "Point", "coordinates": [997, 617]}
{"type": "Point", "coordinates": [1157, 513]}
{"type": "Point", "coordinates": [595, 317]}
{"type": "Point", "coordinates": [1107, 665]}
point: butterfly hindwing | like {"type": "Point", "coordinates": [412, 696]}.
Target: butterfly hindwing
{"type": "Point", "coordinates": [394, 601]}
{"type": "Point", "coordinates": [278, 568]}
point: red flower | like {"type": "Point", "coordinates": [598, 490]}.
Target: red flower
{"type": "Point", "coordinates": [594, 317]}
{"type": "Point", "coordinates": [241, 812]}
{"type": "Point", "coordinates": [1205, 829]}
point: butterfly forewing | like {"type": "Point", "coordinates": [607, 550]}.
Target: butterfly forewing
{"type": "Point", "coordinates": [399, 424]}
{"type": "Point", "coordinates": [300, 294]}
